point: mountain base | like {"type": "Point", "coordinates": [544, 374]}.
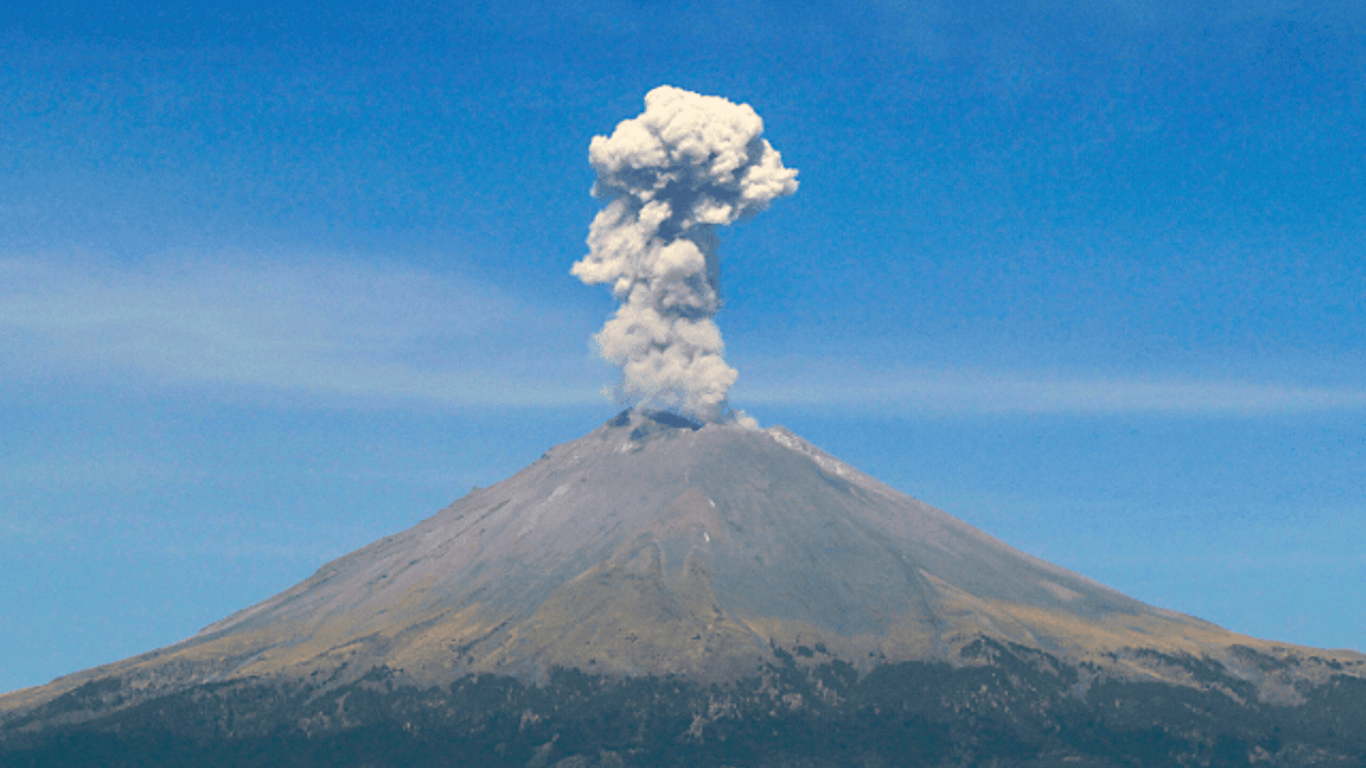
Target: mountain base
{"type": "Point", "coordinates": [1006, 705]}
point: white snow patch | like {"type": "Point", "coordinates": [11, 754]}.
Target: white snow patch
{"type": "Point", "coordinates": [792, 442]}
{"type": "Point", "coordinates": [535, 515]}
{"type": "Point", "coordinates": [1059, 591]}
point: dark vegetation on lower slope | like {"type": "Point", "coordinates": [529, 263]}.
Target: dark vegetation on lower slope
{"type": "Point", "coordinates": [1020, 709]}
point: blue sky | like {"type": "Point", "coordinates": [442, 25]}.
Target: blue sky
{"type": "Point", "coordinates": [277, 282]}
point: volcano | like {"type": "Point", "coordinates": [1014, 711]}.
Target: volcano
{"type": "Point", "coordinates": [662, 592]}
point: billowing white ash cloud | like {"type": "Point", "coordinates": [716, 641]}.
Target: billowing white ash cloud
{"type": "Point", "coordinates": [688, 164]}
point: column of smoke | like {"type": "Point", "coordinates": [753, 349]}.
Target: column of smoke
{"type": "Point", "coordinates": [688, 164]}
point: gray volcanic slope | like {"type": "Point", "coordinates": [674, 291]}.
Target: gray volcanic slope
{"type": "Point", "coordinates": [651, 546]}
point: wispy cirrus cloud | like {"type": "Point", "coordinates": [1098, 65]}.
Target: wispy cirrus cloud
{"type": "Point", "coordinates": [968, 392]}
{"type": "Point", "coordinates": [330, 329]}
{"type": "Point", "coordinates": [372, 334]}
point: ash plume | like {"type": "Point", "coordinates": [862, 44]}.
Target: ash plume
{"type": "Point", "coordinates": [686, 165]}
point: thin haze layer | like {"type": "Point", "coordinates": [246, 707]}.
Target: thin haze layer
{"type": "Point", "coordinates": [686, 165]}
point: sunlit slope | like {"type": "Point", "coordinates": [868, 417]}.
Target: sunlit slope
{"type": "Point", "coordinates": [652, 547]}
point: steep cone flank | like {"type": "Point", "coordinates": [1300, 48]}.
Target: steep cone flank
{"type": "Point", "coordinates": [655, 546]}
